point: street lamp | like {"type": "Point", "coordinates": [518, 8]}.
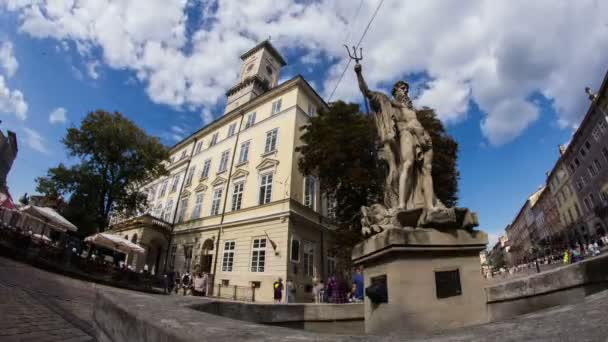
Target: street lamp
{"type": "Point", "coordinates": [593, 97]}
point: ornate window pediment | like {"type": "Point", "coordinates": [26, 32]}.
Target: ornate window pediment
{"type": "Point", "coordinates": [267, 163]}
{"type": "Point", "coordinates": [218, 181]}
{"type": "Point", "coordinates": [200, 187]}
{"type": "Point", "coordinates": [239, 173]}
{"type": "Point", "coordinates": [184, 194]}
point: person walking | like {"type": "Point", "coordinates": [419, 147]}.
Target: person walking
{"type": "Point", "coordinates": [278, 290]}
{"type": "Point", "coordinates": [186, 282]}
{"type": "Point", "coordinates": [198, 287]}
{"type": "Point", "coordinates": [358, 284]}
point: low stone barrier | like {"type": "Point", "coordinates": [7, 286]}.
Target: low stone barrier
{"type": "Point", "coordinates": [564, 285]}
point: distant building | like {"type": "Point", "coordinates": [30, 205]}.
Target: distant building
{"type": "Point", "coordinates": [523, 233]}
{"type": "Point", "coordinates": [235, 204]}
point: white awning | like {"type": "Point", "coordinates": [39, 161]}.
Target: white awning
{"type": "Point", "coordinates": [114, 242]}
{"type": "Point", "coordinates": [50, 216]}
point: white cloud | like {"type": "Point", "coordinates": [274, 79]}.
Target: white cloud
{"type": "Point", "coordinates": [12, 101]}
{"type": "Point", "coordinates": [92, 69]}
{"type": "Point", "coordinates": [475, 50]}
{"type": "Point", "coordinates": [58, 115]}
{"type": "Point", "coordinates": [8, 62]}
{"type": "Point", "coordinates": [34, 140]}
{"type": "Point", "coordinates": [206, 115]}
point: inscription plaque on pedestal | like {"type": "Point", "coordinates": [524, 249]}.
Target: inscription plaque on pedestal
{"type": "Point", "coordinates": [447, 283]}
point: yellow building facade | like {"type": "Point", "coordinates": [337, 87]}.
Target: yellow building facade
{"type": "Point", "coordinates": [235, 204]}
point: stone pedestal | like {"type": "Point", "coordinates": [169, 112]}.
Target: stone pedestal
{"type": "Point", "coordinates": [433, 280]}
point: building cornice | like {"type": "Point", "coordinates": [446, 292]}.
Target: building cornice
{"type": "Point", "coordinates": [284, 87]}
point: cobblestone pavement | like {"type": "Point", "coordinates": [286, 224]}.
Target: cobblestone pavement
{"type": "Point", "coordinates": [40, 306]}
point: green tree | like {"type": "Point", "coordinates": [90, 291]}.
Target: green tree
{"type": "Point", "coordinates": [340, 148]}
{"type": "Point", "coordinates": [115, 157]}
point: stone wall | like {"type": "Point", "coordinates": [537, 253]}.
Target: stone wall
{"type": "Point", "coordinates": [564, 285]}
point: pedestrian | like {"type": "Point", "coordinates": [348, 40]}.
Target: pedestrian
{"type": "Point", "coordinates": [317, 290]}
{"type": "Point", "coordinates": [178, 282]}
{"type": "Point", "coordinates": [290, 291]}
{"type": "Point", "coordinates": [186, 283]}
{"type": "Point", "coordinates": [358, 284]}
{"type": "Point", "coordinates": [205, 284]}
{"type": "Point", "coordinates": [278, 290]}
{"type": "Point", "coordinates": [198, 284]}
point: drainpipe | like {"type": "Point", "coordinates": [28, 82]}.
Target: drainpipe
{"type": "Point", "coordinates": [219, 232]}
{"type": "Point", "coordinates": [181, 188]}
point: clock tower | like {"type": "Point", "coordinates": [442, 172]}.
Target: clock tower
{"type": "Point", "coordinates": [259, 73]}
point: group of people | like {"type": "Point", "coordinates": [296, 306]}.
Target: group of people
{"type": "Point", "coordinates": [195, 283]}
{"type": "Point", "coordinates": [337, 290]}
{"type": "Point", "coordinates": [572, 255]}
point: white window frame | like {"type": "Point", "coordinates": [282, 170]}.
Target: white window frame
{"type": "Point", "coordinates": [266, 188]}
{"type": "Point", "coordinates": [199, 147]}
{"type": "Point", "coordinates": [311, 110]}
{"type": "Point", "coordinates": [597, 133]}
{"type": "Point", "coordinates": [168, 211]}
{"type": "Point", "coordinates": [163, 188]}
{"type": "Point", "coordinates": [276, 106]}
{"type": "Point", "coordinates": [272, 139]}
{"type": "Point", "coordinates": [244, 151]}
{"type": "Point", "coordinates": [228, 256]}
{"type": "Point", "coordinates": [198, 205]}
{"type": "Point", "coordinates": [174, 183]}
{"type": "Point", "coordinates": [206, 168]}
{"type": "Point", "coordinates": [258, 255]}
{"type": "Point", "coordinates": [183, 206]}
{"type": "Point", "coordinates": [224, 161]}
{"type": "Point", "coordinates": [308, 258]}
{"type": "Point", "coordinates": [190, 175]}
{"type": "Point", "coordinates": [214, 139]}
{"type": "Point", "coordinates": [250, 120]}
{"type": "Point", "coordinates": [310, 192]}
{"type": "Point", "coordinates": [232, 129]}
{"type": "Point", "coordinates": [238, 188]}
{"type": "Point", "coordinates": [216, 201]}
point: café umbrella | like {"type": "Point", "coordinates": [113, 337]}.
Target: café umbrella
{"type": "Point", "coordinates": [115, 243]}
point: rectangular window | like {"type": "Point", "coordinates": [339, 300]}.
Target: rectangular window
{"type": "Point", "coordinates": [266, 188]}
{"type": "Point", "coordinates": [271, 140]}
{"type": "Point", "coordinates": [168, 212]}
{"type": "Point", "coordinates": [228, 258]}
{"type": "Point", "coordinates": [605, 153]}
{"type": "Point", "coordinates": [591, 170]}
{"type": "Point", "coordinates": [163, 188]}
{"type": "Point", "coordinates": [171, 160]}
{"type": "Point", "coordinates": [181, 215]}
{"type": "Point", "coordinates": [231, 129]}
{"type": "Point", "coordinates": [250, 120]}
{"type": "Point", "coordinates": [582, 152]}
{"type": "Point", "coordinates": [578, 210]}
{"type": "Point", "coordinates": [331, 263]}
{"type": "Point", "coordinates": [604, 196]}
{"type": "Point", "coordinates": [258, 255]}
{"type": "Point", "coordinates": [183, 156]}
{"type": "Point", "coordinates": [311, 110]}
{"type": "Point", "coordinates": [198, 204]}
{"type": "Point", "coordinates": [598, 165]}
{"type": "Point", "coordinates": [174, 184]}
{"type": "Point", "coordinates": [602, 125]}
{"type": "Point", "coordinates": [237, 195]}
{"type": "Point", "coordinates": [224, 161]}
{"type": "Point", "coordinates": [295, 250]}
{"type": "Point", "coordinates": [310, 192]}
{"type": "Point", "coordinates": [213, 139]}
{"type": "Point", "coordinates": [583, 180]}
{"type": "Point", "coordinates": [276, 107]}
{"type": "Point", "coordinates": [591, 199]}
{"type": "Point", "coordinates": [587, 204]}
{"type": "Point", "coordinates": [597, 134]}
{"type": "Point", "coordinates": [244, 154]}
{"type": "Point", "coordinates": [206, 168]}
{"type": "Point", "coordinates": [308, 259]}
{"type": "Point", "coordinates": [190, 175]}
{"type": "Point", "coordinates": [570, 214]}
{"type": "Point", "coordinates": [579, 185]}
{"type": "Point", "coordinates": [215, 202]}
{"type": "Point", "coordinates": [199, 147]}
{"type": "Point", "coordinates": [571, 167]}
{"type": "Point", "coordinates": [577, 162]}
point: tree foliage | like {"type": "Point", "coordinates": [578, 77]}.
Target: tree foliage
{"type": "Point", "coordinates": [340, 148]}
{"type": "Point", "coordinates": [115, 156]}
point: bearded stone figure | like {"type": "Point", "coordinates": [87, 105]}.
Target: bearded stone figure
{"type": "Point", "coordinates": [407, 150]}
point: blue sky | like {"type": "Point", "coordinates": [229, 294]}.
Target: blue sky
{"type": "Point", "coordinates": [508, 93]}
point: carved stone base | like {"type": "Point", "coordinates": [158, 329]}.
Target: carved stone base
{"type": "Point", "coordinates": [423, 280]}
{"type": "Point", "coordinates": [377, 218]}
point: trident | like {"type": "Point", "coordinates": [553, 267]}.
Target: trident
{"type": "Point", "coordinates": [354, 54]}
